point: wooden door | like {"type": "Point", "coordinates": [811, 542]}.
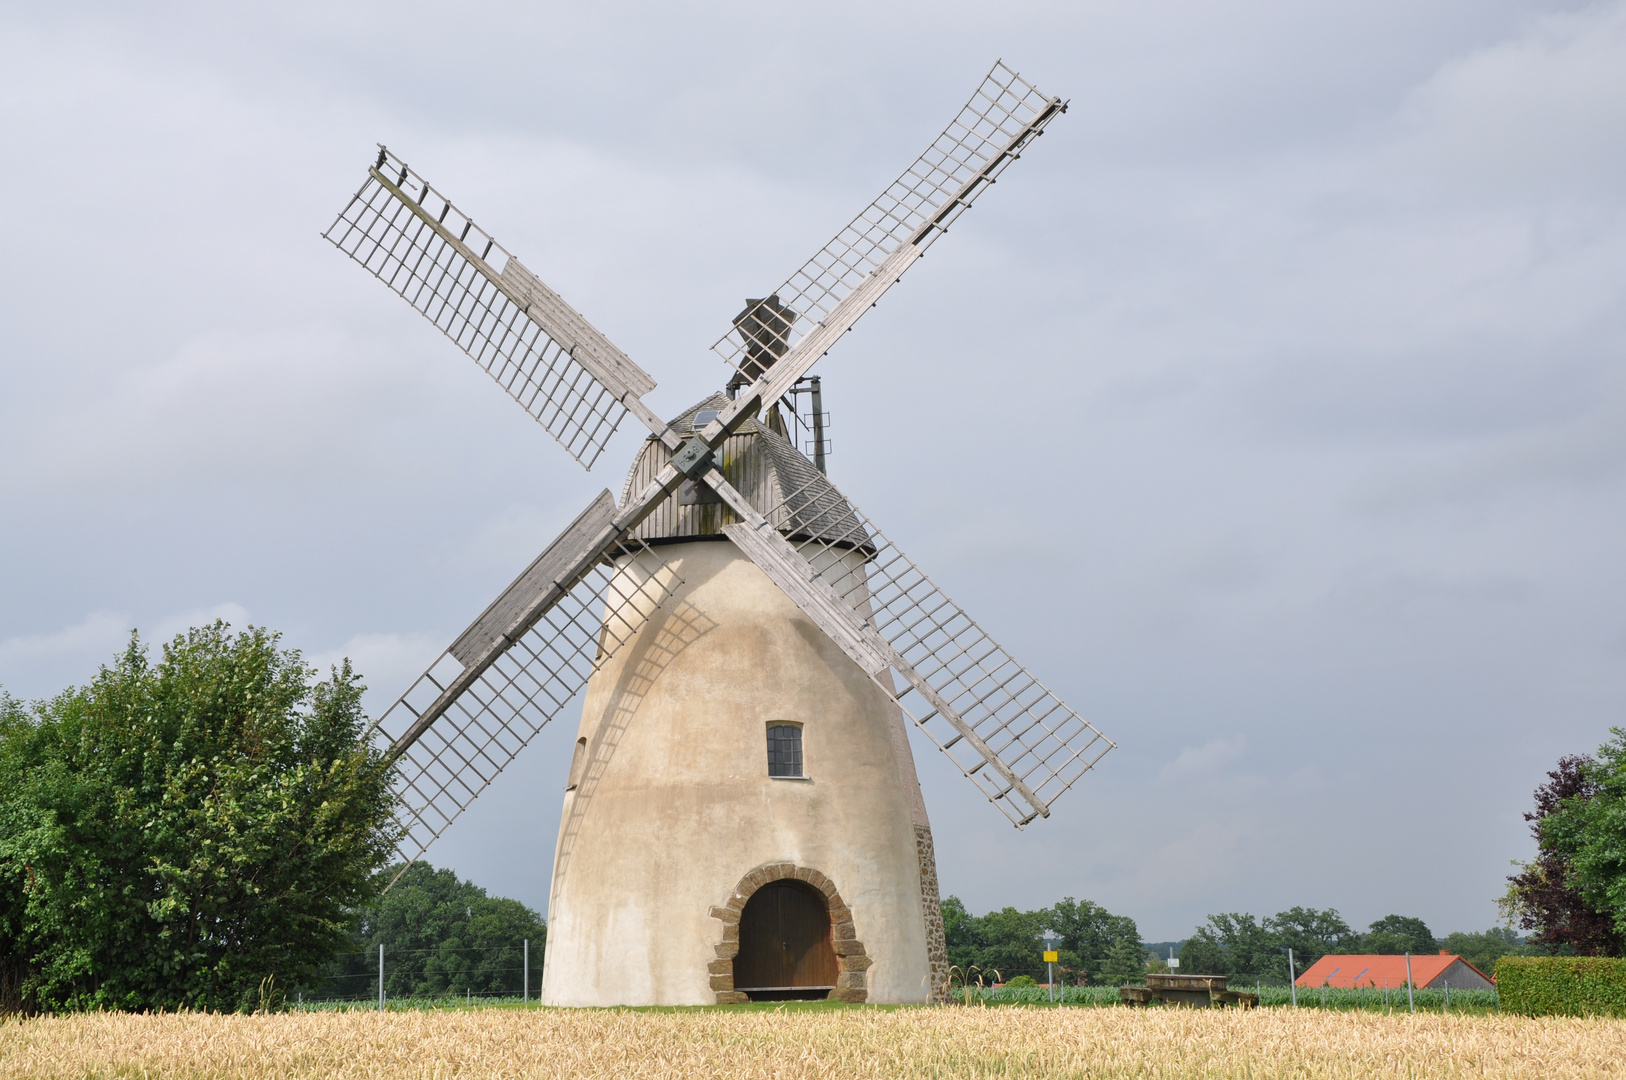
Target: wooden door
{"type": "Point", "coordinates": [785, 942]}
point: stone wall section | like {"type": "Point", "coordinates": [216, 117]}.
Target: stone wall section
{"type": "Point", "coordinates": [931, 909]}
{"type": "Point", "coordinates": [852, 984]}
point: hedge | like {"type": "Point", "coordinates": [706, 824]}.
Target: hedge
{"type": "Point", "coordinates": [1562, 985]}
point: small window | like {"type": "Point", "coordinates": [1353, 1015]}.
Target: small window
{"type": "Point", "coordinates": [784, 750]}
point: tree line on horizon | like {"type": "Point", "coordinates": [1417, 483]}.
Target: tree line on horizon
{"type": "Point", "coordinates": [1098, 947]}
{"type": "Point", "coordinates": [1239, 944]}
{"type": "Point", "coordinates": [1095, 945]}
{"type": "Point", "coordinates": [1571, 898]}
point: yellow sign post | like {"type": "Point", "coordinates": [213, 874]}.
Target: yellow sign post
{"type": "Point", "coordinates": [1050, 972]}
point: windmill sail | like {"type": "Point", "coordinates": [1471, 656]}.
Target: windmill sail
{"type": "Point", "coordinates": [823, 299]}
{"type": "Point", "coordinates": [514, 669]}
{"type": "Point", "coordinates": [551, 360]}
{"type": "Point", "coordinates": [1009, 734]}
{"type": "Point", "coordinates": [533, 649]}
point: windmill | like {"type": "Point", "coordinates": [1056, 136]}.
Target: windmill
{"type": "Point", "coordinates": [742, 817]}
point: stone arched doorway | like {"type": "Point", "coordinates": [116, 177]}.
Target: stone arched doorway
{"type": "Point", "coordinates": [796, 928]}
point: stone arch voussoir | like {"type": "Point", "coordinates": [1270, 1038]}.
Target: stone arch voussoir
{"type": "Point", "coordinates": [852, 984]}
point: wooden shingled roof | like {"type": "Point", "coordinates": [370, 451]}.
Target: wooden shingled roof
{"type": "Point", "coordinates": [773, 475]}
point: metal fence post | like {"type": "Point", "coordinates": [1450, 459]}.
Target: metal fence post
{"type": "Point", "coordinates": [380, 976]}
{"type": "Point", "coordinates": [527, 969]}
{"type": "Point", "coordinates": [1411, 1003]}
{"type": "Point", "coordinates": [1292, 979]}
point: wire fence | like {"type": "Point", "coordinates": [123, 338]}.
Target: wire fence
{"type": "Point", "coordinates": [411, 1004]}
{"type": "Point", "coordinates": [366, 994]}
{"type": "Point", "coordinates": [441, 974]}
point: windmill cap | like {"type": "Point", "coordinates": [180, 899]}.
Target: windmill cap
{"type": "Point", "coordinates": [764, 467]}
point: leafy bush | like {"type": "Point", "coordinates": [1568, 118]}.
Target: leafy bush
{"type": "Point", "coordinates": [1021, 982]}
{"type": "Point", "coordinates": [185, 834]}
{"type": "Point", "coordinates": [1562, 985]}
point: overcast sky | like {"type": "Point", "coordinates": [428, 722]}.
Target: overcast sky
{"type": "Point", "coordinates": [1271, 409]}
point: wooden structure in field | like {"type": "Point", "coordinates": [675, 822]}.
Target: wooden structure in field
{"type": "Point", "coordinates": [1192, 991]}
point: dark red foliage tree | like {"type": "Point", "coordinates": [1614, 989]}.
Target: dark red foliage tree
{"type": "Point", "coordinates": [1547, 904]}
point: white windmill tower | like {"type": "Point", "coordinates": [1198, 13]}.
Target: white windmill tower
{"type": "Point", "coordinates": [742, 818]}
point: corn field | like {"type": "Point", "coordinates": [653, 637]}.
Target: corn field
{"type": "Point", "coordinates": [817, 1042]}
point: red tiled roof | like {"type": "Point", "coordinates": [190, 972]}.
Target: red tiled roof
{"type": "Point", "coordinates": [1336, 969]}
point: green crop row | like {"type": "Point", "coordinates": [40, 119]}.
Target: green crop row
{"type": "Point", "coordinates": [1376, 999]}
{"type": "Point", "coordinates": [1562, 985]}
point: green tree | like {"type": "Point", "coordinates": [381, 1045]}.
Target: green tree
{"type": "Point", "coordinates": [1097, 943]}
{"type": "Point", "coordinates": [186, 834]}
{"type": "Point", "coordinates": [1590, 833]}
{"type": "Point", "coordinates": [1395, 934]}
{"type": "Point", "coordinates": [961, 933]}
{"type": "Point", "coordinates": [1125, 962]}
{"type": "Point", "coordinates": [1203, 954]}
{"type": "Point", "coordinates": [1311, 934]}
{"type": "Point", "coordinates": [441, 936]}
{"type": "Point", "coordinates": [1482, 950]}
{"type": "Point", "coordinates": [1006, 941]}
{"type": "Point", "coordinates": [1094, 942]}
{"type": "Point", "coordinates": [1232, 943]}
{"type": "Point", "coordinates": [1544, 896]}
{"type": "Point", "coordinates": [1012, 943]}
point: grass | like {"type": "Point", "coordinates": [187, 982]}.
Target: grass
{"type": "Point", "coordinates": [458, 1004]}
{"type": "Point", "coordinates": [818, 1041]}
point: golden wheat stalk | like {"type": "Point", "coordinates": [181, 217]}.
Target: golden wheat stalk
{"type": "Point", "coordinates": [1106, 1043]}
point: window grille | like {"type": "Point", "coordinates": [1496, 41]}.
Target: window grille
{"type": "Point", "coordinates": [784, 750]}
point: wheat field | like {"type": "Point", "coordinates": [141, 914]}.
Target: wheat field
{"type": "Point", "coordinates": [944, 1042]}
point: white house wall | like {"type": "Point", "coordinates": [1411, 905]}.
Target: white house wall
{"type": "Point", "coordinates": [1461, 977]}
